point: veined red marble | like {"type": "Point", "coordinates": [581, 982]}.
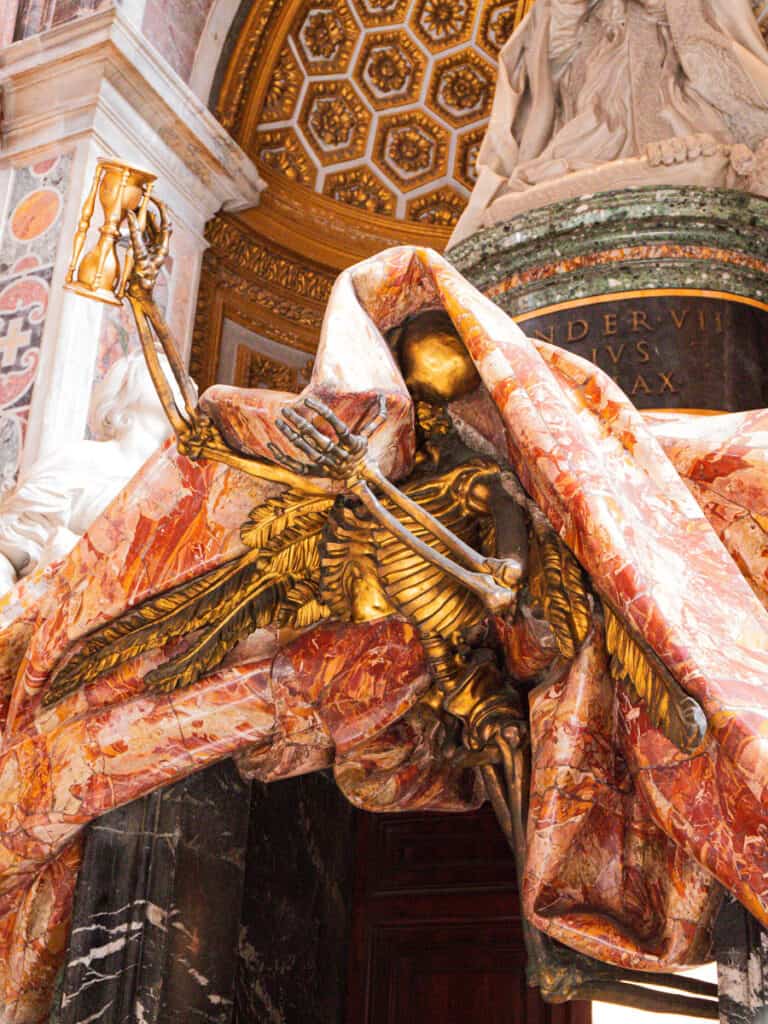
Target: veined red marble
{"type": "Point", "coordinates": [628, 839]}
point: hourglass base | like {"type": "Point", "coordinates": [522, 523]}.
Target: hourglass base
{"type": "Point", "coordinates": [102, 294]}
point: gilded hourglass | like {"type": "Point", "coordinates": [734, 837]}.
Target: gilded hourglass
{"type": "Point", "coordinates": [119, 188]}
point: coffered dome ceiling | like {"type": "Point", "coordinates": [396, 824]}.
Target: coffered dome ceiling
{"type": "Point", "coordinates": [365, 116]}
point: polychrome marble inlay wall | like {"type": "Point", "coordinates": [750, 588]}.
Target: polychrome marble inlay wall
{"type": "Point", "coordinates": [28, 246]}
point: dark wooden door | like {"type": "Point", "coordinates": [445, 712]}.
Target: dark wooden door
{"type": "Point", "coordinates": [436, 931]}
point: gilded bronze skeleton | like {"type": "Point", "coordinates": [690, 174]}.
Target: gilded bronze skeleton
{"type": "Point", "coordinates": [457, 548]}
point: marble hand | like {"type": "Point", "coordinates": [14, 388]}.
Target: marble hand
{"type": "Point", "coordinates": [150, 247]}
{"type": "Point", "coordinates": [679, 149]}
{"type": "Point", "coordinates": [340, 459]}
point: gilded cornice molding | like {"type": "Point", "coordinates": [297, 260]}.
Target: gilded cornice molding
{"type": "Point", "coordinates": [248, 279]}
{"type": "Point", "coordinates": [247, 254]}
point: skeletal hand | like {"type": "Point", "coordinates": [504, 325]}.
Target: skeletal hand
{"type": "Point", "coordinates": [150, 246]}
{"type": "Point", "coordinates": [340, 459]}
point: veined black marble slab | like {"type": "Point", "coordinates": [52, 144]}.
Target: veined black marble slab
{"type": "Point", "coordinates": [155, 931]}
{"type": "Point", "coordinates": [742, 966]}
{"type": "Point", "coordinates": [295, 927]}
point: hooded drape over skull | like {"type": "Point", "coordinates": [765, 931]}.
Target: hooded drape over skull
{"type": "Point", "coordinates": [211, 612]}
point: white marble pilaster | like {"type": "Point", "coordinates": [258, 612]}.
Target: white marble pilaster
{"type": "Point", "coordinates": [133, 10]}
{"type": "Point", "coordinates": [8, 11]}
{"type": "Point", "coordinates": [212, 40]}
{"type": "Point", "coordinates": [95, 87]}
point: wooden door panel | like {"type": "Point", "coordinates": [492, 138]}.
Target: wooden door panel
{"type": "Point", "coordinates": [436, 929]}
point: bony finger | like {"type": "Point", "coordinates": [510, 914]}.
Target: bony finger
{"type": "Point", "coordinates": [322, 441]}
{"type": "Point", "coordinates": [135, 230]}
{"type": "Point", "coordinates": [303, 445]}
{"type": "Point", "coordinates": [287, 431]}
{"type": "Point", "coordinates": [328, 414]}
{"type": "Point", "coordinates": [319, 407]}
{"type": "Point", "coordinates": [288, 460]}
{"type": "Point", "coordinates": [298, 421]}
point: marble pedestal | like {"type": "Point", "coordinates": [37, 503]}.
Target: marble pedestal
{"type": "Point", "coordinates": [216, 901]}
{"type": "Point", "coordinates": [157, 913]}
{"type": "Point", "coordinates": [667, 290]}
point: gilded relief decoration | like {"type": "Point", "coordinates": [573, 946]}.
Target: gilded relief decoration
{"type": "Point", "coordinates": [390, 69]}
{"type": "Point", "coordinates": [440, 207]}
{"type": "Point", "coordinates": [326, 37]}
{"type": "Point", "coordinates": [282, 152]}
{"type": "Point", "coordinates": [410, 148]}
{"type": "Point", "coordinates": [382, 85]}
{"type": "Point", "coordinates": [334, 121]}
{"type": "Point", "coordinates": [257, 370]}
{"type": "Point", "coordinates": [284, 86]}
{"type": "Point", "coordinates": [247, 280]}
{"type": "Point", "coordinates": [360, 187]}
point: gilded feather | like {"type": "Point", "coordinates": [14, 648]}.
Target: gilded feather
{"type": "Point", "coordinates": [557, 583]}
{"type": "Point", "coordinates": [670, 708]}
{"type": "Point", "coordinates": [271, 519]}
{"type": "Point", "coordinates": [222, 606]}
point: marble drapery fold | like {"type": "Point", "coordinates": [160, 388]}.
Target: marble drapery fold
{"type": "Point", "coordinates": [658, 532]}
{"type": "Point", "coordinates": [658, 89]}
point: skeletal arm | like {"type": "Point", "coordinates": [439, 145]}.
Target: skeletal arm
{"type": "Point", "coordinates": [347, 459]}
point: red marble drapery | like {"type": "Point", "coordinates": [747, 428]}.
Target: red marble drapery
{"type": "Point", "coordinates": [666, 518]}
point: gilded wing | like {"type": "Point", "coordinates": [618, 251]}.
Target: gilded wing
{"type": "Point", "coordinates": [275, 580]}
{"type": "Point", "coordinates": [557, 583]}
{"type": "Point", "coordinates": [670, 708]}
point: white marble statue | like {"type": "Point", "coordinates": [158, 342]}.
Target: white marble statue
{"type": "Point", "coordinates": [57, 498]}
{"type": "Point", "coordinates": [600, 94]}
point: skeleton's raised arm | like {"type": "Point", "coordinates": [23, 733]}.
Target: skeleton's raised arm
{"type": "Point", "coordinates": [347, 459]}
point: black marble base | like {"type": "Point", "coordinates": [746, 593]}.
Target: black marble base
{"type": "Point", "coordinates": [297, 904]}
{"type": "Point", "coordinates": [155, 930]}
{"type": "Point", "coordinates": [742, 966]}
{"type": "Point", "coordinates": [214, 901]}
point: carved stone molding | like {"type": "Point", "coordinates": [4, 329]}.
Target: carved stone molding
{"type": "Point", "coordinates": [249, 280]}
